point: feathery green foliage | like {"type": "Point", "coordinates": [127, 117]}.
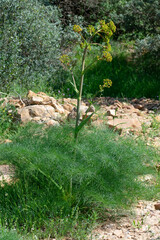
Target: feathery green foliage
{"type": "Point", "coordinates": [104, 172]}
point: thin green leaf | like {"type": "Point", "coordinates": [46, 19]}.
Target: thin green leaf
{"type": "Point", "coordinates": [79, 127]}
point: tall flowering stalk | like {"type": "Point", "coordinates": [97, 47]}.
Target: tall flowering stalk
{"type": "Point", "coordinates": [105, 31]}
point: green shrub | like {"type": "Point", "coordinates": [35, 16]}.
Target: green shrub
{"type": "Point", "coordinates": [134, 18]}
{"type": "Point", "coordinates": [9, 120]}
{"type": "Point", "coordinates": [103, 168]}
{"type": "Point", "coordinates": [129, 15]}
{"type": "Point", "coordinates": [30, 37]}
{"type": "Point", "coordinates": [71, 8]}
{"type": "Point", "coordinates": [148, 54]}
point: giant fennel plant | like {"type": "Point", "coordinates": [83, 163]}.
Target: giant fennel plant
{"type": "Point", "coordinates": [87, 41]}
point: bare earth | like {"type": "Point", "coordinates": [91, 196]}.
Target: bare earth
{"type": "Point", "coordinates": [144, 224]}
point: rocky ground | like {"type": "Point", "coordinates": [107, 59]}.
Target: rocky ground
{"type": "Point", "coordinates": [140, 117]}
{"type": "Point", "coordinates": [142, 224]}
{"type": "Point", "coordinates": [136, 117]}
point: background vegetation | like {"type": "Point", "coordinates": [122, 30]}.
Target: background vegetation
{"type": "Point", "coordinates": [33, 34]}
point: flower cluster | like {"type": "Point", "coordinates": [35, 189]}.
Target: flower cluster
{"type": "Point", "coordinates": [109, 33]}
{"type": "Point", "coordinates": [105, 28]}
{"type": "Point", "coordinates": [112, 26]}
{"type": "Point", "coordinates": [108, 28]}
{"type": "Point", "coordinates": [108, 47]}
{"type": "Point", "coordinates": [65, 59]}
{"type": "Point", "coordinates": [102, 22]}
{"type": "Point", "coordinates": [77, 29]}
{"type": "Point", "coordinates": [107, 83]}
{"type": "Point", "coordinates": [91, 29]}
{"type": "Point", "coordinates": [107, 56]}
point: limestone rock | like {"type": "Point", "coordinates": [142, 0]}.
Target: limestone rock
{"type": "Point", "coordinates": [42, 99]}
{"type": "Point", "coordinates": [67, 106]}
{"type": "Point", "coordinates": [7, 141]}
{"type": "Point", "coordinates": [118, 104]}
{"type": "Point", "coordinates": [157, 206]}
{"type": "Point", "coordinates": [57, 106]}
{"type": "Point", "coordinates": [157, 118]}
{"type": "Point", "coordinates": [98, 123]}
{"type": "Point", "coordinates": [6, 174]}
{"type": "Point", "coordinates": [41, 108]}
{"type": "Point", "coordinates": [111, 112]}
{"type": "Point", "coordinates": [109, 118]}
{"type": "Point", "coordinates": [139, 106]}
{"type": "Point", "coordinates": [91, 109]}
{"type": "Point", "coordinates": [24, 114]}
{"type": "Point", "coordinates": [125, 124]}
{"type": "Point", "coordinates": [31, 94]}
{"type": "Point", "coordinates": [18, 103]}
{"type": "Point", "coordinates": [72, 101]}
{"type": "Point", "coordinates": [38, 98]}
{"type": "Point", "coordinates": [73, 114]}
{"type": "Point", "coordinates": [37, 112]}
{"type": "Point", "coordinates": [118, 233]}
{"type": "Point", "coordinates": [52, 122]}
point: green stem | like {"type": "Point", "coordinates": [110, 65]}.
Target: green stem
{"type": "Point", "coordinates": [80, 89]}
{"type": "Point", "coordinates": [47, 176]}
{"type": "Point", "coordinates": [95, 60]}
{"type": "Point", "coordinates": [74, 82]}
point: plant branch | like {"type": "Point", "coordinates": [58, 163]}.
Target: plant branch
{"type": "Point", "coordinates": [74, 82]}
{"type": "Point", "coordinates": [80, 89]}
{"type": "Point", "coordinates": [95, 60]}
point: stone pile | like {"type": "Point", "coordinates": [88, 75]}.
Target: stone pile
{"type": "Point", "coordinates": [41, 108]}
{"type": "Point", "coordinates": [123, 116]}
{"type": "Point", "coordinates": [120, 114]}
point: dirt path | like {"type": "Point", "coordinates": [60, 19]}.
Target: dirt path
{"type": "Point", "coordinates": [144, 224]}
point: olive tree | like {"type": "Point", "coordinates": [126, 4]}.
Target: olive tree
{"type": "Point", "coordinates": [30, 36]}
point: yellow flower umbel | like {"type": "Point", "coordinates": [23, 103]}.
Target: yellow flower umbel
{"type": "Point", "coordinates": [65, 59]}
{"type": "Point", "coordinates": [107, 83]}
{"type": "Point", "coordinates": [112, 26]}
{"type": "Point", "coordinates": [91, 29]}
{"type": "Point", "coordinates": [77, 29]}
{"type": "Point", "coordinates": [107, 56]}
{"type": "Point", "coordinates": [102, 22]}
{"type": "Point", "coordinates": [108, 28]}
